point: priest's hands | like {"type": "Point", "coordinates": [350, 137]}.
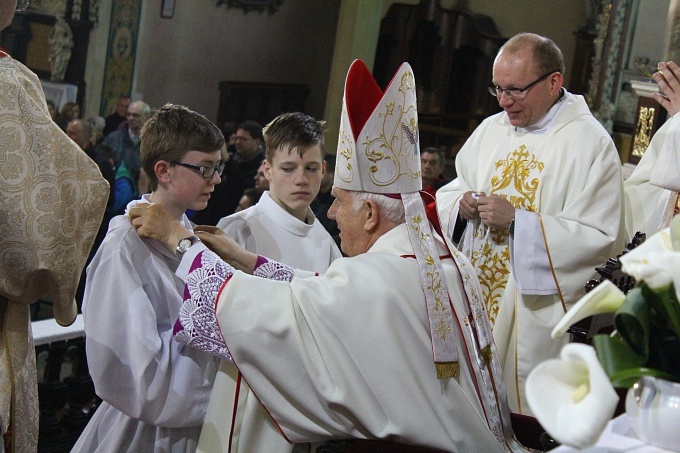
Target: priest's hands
{"type": "Point", "coordinates": [468, 205]}
{"type": "Point", "coordinates": [227, 249]}
{"type": "Point", "coordinates": [495, 211]}
{"type": "Point", "coordinates": [152, 221]}
{"type": "Point", "coordinates": [668, 79]}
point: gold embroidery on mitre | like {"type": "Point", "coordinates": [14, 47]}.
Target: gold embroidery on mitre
{"type": "Point", "coordinates": [515, 183]}
{"type": "Point", "coordinates": [346, 153]}
{"type": "Point", "coordinates": [393, 152]}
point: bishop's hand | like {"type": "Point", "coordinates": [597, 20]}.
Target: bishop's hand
{"type": "Point", "coordinates": [152, 221]}
{"type": "Point", "coordinates": [227, 249]}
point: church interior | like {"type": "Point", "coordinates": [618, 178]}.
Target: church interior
{"type": "Point", "coordinates": [236, 60]}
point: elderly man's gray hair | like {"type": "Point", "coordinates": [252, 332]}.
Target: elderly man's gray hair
{"type": "Point", "coordinates": [391, 208]}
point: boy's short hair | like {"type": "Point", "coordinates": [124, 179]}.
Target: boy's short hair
{"type": "Point", "coordinates": [291, 130]}
{"type": "Point", "coordinates": [173, 131]}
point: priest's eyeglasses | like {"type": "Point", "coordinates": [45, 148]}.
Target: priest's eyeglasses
{"type": "Point", "coordinates": [207, 172]}
{"type": "Point", "coordinates": [516, 93]}
{"type": "Point", "coordinates": [22, 5]}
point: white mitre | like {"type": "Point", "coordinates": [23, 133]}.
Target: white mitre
{"type": "Point", "coordinates": [378, 152]}
{"type": "Point", "coordinates": [378, 148]}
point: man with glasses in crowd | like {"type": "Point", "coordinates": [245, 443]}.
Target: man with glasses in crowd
{"type": "Point", "coordinates": [155, 390]}
{"type": "Point", "coordinates": [239, 173]}
{"type": "Point", "coordinates": [536, 206]}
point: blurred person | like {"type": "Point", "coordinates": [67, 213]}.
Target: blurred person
{"type": "Point", "coordinates": [118, 117]}
{"type": "Point", "coordinates": [250, 198]}
{"type": "Point", "coordinates": [239, 173]}
{"type": "Point", "coordinates": [261, 181]}
{"type": "Point", "coordinates": [125, 144]}
{"type": "Point", "coordinates": [48, 221]}
{"type": "Point", "coordinates": [324, 200]}
{"type": "Point", "coordinates": [69, 111]}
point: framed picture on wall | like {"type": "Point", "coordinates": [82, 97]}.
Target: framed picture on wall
{"type": "Point", "coordinates": [168, 8]}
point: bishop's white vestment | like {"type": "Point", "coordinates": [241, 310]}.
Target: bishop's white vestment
{"type": "Point", "coordinates": [266, 229]}
{"type": "Point", "coordinates": [155, 390]}
{"type": "Point", "coordinates": [564, 179]}
{"type": "Point", "coordinates": [347, 354]}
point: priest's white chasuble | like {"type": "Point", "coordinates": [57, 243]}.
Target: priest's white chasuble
{"type": "Point", "coordinates": [563, 177]}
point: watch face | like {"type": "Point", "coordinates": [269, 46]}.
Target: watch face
{"type": "Point", "coordinates": [185, 243]}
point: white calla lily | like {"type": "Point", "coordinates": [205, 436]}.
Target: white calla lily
{"type": "Point", "coordinates": [648, 261]}
{"type": "Point", "coordinates": [655, 261]}
{"type": "Point", "coordinates": [604, 298]}
{"type": "Point", "coordinates": [571, 396]}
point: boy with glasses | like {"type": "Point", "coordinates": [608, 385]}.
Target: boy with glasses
{"type": "Point", "coordinates": [538, 199]}
{"type": "Point", "coordinates": [155, 391]}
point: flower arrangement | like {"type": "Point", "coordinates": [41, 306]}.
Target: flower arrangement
{"type": "Point", "coordinates": [573, 396]}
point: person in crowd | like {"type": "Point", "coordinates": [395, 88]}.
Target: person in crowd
{"type": "Point", "coordinates": [261, 181]}
{"type": "Point", "coordinates": [433, 164]}
{"type": "Point", "coordinates": [282, 227]}
{"type": "Point", "coordinates": [538, 199]}
{"type": "Point", "coordinates": [125, 144]}
{"type": "Point", "coordinates": [155, 391]}
{"type": "Point", "coordinates": [52, 199]}
{"type": "Point", "coordinates": [69, 111]}
{"type": "Point", "coordinates": [97, 123]}
{"type": "Point", "coordinates": [323, 201]}
{"type": "Point", "coordinates": [250, 198]}
{"type": "Point", "coordinates": [321, 352]}
{"type": "Point", "coordinates": [239, 172]}
{"type": "Point", "coordinates": [81, 133]}
{"type": "Point", "coordinates": [118, 117]}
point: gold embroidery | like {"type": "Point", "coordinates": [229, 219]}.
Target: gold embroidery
{"type": "Point", "coordinates": [515, 183]}
{"type": "Point", "coordinates": [643, 134]}
{"type": "Point", "coordinates": [434, 279]}
{"type": "Point", "coordinates": [396, 143]}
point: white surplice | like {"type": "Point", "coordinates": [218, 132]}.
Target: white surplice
{"type": "Point", "coordinates": [268, 230]}
{"type": "Point", "coordinates": [564, 179]}
{"type": "Point", "coordinates": [155, 390]}
{"type": "Point", "coordinates": [651, 190]}
{"type": "Point", "coordinates": [348, 354]}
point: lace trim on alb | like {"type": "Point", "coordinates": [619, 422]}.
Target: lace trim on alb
{"type": "Point", "coordinates": [273, 270]}
{"type": "Point", "coordinates": [198, 323]}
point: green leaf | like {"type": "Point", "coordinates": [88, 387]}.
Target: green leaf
{"type": "Point", "coordinates": [632, 320]}
{"type": "Point", "coordinates": [626, 378]}
{"type": "Point", "coordinates": [616, 356]}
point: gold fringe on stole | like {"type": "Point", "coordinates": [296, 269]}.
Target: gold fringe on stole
{"type": "Point", "coordinates": [447, 370]}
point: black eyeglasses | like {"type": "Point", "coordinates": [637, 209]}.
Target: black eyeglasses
{"type": "Point", "coordinates": [206, 172]}
{"type": "Point", "coordinates": [22, 5]}
{"type": "Point", "coordinates": [516, 93]}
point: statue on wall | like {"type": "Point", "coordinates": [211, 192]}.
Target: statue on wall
{"type": "Point", "coordinates": [61, 43]}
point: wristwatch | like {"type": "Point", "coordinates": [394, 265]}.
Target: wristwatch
{"type": "Point", "coordinates": [511, 227]}
{"type": "Point", "coordinates": [185, 243]}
